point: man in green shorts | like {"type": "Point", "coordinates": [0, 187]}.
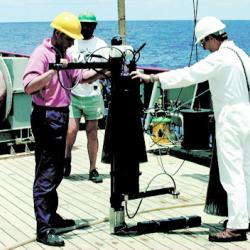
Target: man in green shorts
{"type": "Point", "coordinates": [87, 100]}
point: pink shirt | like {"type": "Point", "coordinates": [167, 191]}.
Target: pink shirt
{"type": "Point", "coordinates": [54, 95]}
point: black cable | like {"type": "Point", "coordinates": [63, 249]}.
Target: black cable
{"type": "Point", "coordinates": [164, 170]}
{"type": "Point", "coordinates": [195, 12]}
{"type": "Point", "coordinates": [92, 54]}
{"type": "Point", "coordinates": [165, 173]}
{"type": "Point", "coordinates": [126, 203]}
{"type": "Point", "coordinates": [59, 55]}
{"type": "Point", "coordinates": [190, 100]}
{"type": "Point", "coordinates": [61, 84]}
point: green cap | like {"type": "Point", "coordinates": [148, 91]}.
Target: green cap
{"type": "Point", "coordinates": [87, 17]}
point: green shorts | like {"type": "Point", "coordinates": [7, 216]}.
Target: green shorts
{"type": "Point", "coordinates": [90, 107]}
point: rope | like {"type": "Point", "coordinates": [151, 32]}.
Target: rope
{"type": "Point", "coordinates": [96, 222]}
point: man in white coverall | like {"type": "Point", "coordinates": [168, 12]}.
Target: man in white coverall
{"type": "Point", "coordinates": [227, 69]}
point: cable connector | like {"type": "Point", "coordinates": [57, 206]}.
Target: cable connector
{"type": "Point", "coordinates": [126, 198]}
{"type": "Point", "coordinates": [175, 194]}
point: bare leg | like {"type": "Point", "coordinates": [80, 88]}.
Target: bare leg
{"type": "Point", "coordinates": [92, 145]}
{"type": "Point", "coordinates": [71, 135]}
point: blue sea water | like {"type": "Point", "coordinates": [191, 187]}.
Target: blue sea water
{"type": "Point", "coordinates": [168, 43]}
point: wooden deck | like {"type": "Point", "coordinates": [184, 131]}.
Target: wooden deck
{"type": "Point", "coordinates": [83, 200]}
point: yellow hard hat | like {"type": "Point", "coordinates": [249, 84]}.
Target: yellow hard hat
{"type": "Point", "coordinates": [68, 23]}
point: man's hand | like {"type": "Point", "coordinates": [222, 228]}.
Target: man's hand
{"type": "Point", "coordinates": [105, 73]}
{"type": "Point", "coordinates": [64, 62]}
{"type": "Point", "coordinates": [137, 74]}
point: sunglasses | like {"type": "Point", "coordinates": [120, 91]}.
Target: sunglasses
{"type": "Point", "coordinates": [203, 41]}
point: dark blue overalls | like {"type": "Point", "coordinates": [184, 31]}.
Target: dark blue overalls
{"type": "Point", "coordinates": [49, 126]}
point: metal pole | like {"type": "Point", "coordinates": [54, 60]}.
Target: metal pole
{"type": "Point", "coordinates": [121, 20]}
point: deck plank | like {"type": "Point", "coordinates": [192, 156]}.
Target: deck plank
{"type": "Point", "coordinates": [81, 199]}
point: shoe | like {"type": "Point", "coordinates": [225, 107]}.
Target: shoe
{"type": "Point", "coordinates": [51, 239]}
{"type": "Point", "coordinates": [67, 167]}
{"type": "Point", "coordinates": [94, 176]}
{"type": "Point", "coordinates": [226, 221]}
{"type": "Point", "coordinates": [228, 235]}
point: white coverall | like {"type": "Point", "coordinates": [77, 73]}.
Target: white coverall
{"type": "Point", "coordinates": [228, 87]}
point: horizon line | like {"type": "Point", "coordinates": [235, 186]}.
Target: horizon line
{"type": "Point", "coordinates": [113, 20]}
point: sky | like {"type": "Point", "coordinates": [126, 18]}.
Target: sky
{"type": "Point", "coordinates": [46, 10]}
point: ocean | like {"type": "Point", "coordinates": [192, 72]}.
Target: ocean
{"type": "Point", "coordinates": [168, 43]}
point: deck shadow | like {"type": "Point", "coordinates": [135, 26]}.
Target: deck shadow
{"type": "Point", "coordinates": [184, 231]}
{"type": "Point", "coordinates": [81, 224]}
{"type": "Point", "coordinates": [201, 177]}
{"type": "Point", "coordinates": [84, 177]}
{"type": "Point", "coordinates": [213, 227]}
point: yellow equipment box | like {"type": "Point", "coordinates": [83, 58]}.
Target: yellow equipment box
{"type": "Point", "coordinates": [160, 130]}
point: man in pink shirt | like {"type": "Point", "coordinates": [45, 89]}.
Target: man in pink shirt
{"type": "Point", "coordinates": [50, 92]}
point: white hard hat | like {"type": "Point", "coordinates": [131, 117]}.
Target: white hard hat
{"type": "Point", "coordinates": [208, 25]}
